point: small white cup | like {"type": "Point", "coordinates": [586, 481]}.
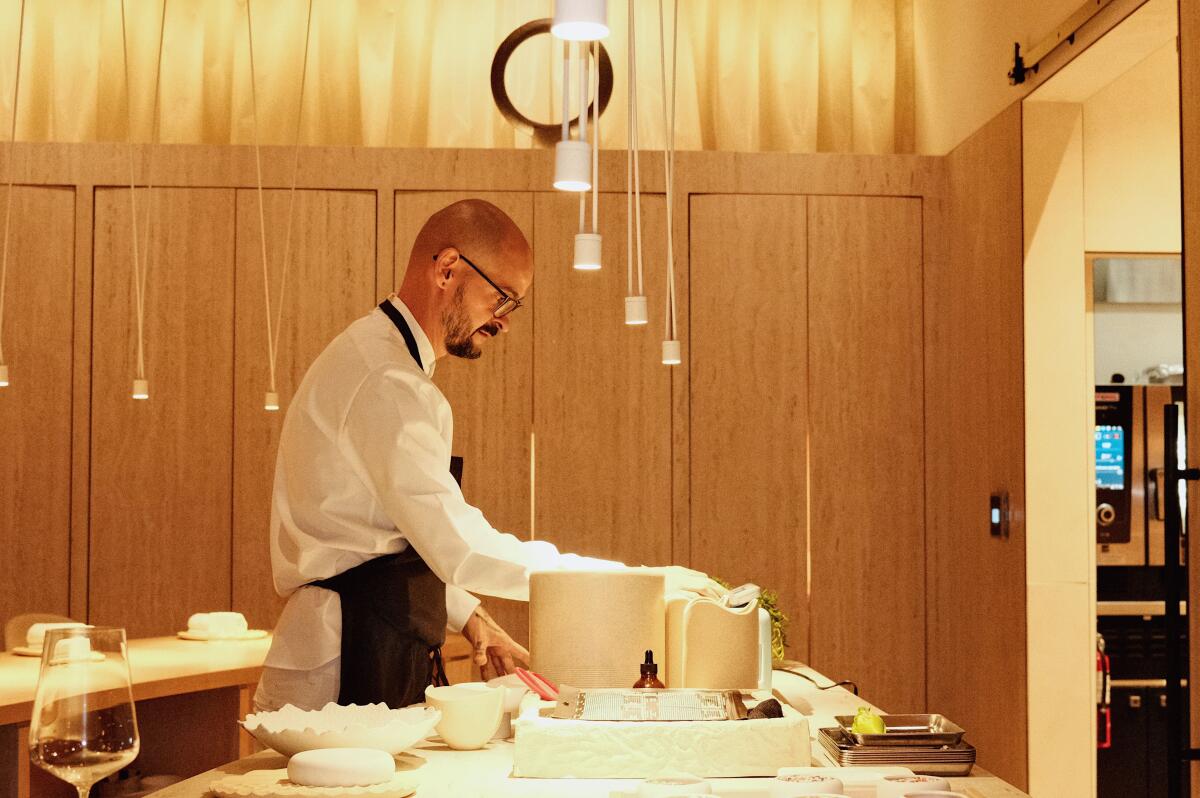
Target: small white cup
{"type": "Point", "coordinates": [673, 786]}
{"type": "Point", "coordinates": [470, 713]}
{"type": "Point", "coordinates": [905, 786]}
{"type": "Point", "coordinates": [791, 785]}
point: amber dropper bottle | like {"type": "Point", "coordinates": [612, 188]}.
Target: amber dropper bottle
{"type": "Point", "coordinates": [649, 674]}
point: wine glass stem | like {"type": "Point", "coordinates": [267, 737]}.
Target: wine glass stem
{"type": "Point", "coordinates": [84, 791]}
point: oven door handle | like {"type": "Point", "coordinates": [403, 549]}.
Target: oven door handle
{"type": "Point", "coordinates": [1156, 475]}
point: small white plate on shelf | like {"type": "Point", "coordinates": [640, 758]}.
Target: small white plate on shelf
{"type": "Point", "coordinates": [275, 784]}
{"type": "Point", "coordinates": [249, 634]}
{"type": "Point", "coordinates": [30, 651]}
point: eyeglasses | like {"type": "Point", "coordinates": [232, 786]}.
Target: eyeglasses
{"type": "Point", "coordinates": [507, 304]}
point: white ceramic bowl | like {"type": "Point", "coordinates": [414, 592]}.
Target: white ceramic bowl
{"type": "Point", "coordinates": [904, 786]}
{"type": "Point", "coordinates": [471, 713]}
{"type": "Point", "coordinates": [291, 730]}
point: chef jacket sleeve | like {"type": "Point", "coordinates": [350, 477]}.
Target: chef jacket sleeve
{"type": "Point", "coordinates": [393, 436]}
{"type": "Point", "coordinates": [460, 605]}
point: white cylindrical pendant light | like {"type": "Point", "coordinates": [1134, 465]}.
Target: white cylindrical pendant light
{"type": "Point", "coordinates": [580, 20]}
{"type": "Point", "coordinates": [141, 389]}
{"type": "Point", "coordinates": [272, 401]}
{"type": "Point", "coordinates": [3, 376]}
{"type": "Point", "coordinates": [671, 355]}
{"type": "Point", "coordinates": [572, 166]}
{"type": "Point", "coordinates": [636, 311]}
{"type": "Point", "coordinates": [587, 252]}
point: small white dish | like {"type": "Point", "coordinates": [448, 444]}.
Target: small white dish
{"type": "Point", "coordinates": [904, 786]}
{"type": "Point", "coordinates": [471, 713]}
{"type": "Point", "coordinates": [249, 634]}
{"type": "Point", "coordinates": [291, 730]}
{"type": "Point", "coordinates": [673, 786]}
{"type": "Point", "coordinates": [793, 785]}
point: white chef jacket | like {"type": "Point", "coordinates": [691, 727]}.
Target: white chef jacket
{"type": "Point", "coordinates": [363, 470]}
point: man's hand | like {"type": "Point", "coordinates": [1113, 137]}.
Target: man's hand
{"type": "Point", "coordinates": [496, 653]}
{"type": "Point", "coordinates": [685, 580]}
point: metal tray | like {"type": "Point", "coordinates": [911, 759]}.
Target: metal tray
{"type": "Point", "coordinates": [956, 760]}
{"type": "Point", "coordinates": [907, 730]}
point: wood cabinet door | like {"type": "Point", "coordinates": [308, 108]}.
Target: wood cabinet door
{"type": "Point", "coordinates": [162, 468]}
{"type": "Point", "coordinates": [866, 446]}
{"type": "Point", "coordinates": [35, 409]}
{"type": "Point", "coordinates": [975, 443]}
{"type": "Point", "coordinates": [749, 391]}
{"type": "Point", "coordinates": [330, 283]}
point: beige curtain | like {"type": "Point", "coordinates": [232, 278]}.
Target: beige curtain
{"type": "Point", "coordinates": [794, 75]}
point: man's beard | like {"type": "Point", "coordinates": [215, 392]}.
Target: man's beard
{"type": "Point", "coordinates": [460, 340]}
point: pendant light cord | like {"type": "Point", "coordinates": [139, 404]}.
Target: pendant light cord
{"type": "Point", "coordinates": [12, 137]}
{"type": "Point", "coordinates": [583, 101]}
{"type": "Point", "coordinates": [141, 249]}
{"type": "Point", "coordinates": [274, 326]}
{"type": "Point", "coordinates": [595, 48]}
{"type": "Point", "coordinates": [669, 155]}
{"type": "Point", "coordinates": [635, 195]}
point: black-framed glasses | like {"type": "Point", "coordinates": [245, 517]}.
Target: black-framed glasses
{"type": "Point", "coordinates": [507, 304]}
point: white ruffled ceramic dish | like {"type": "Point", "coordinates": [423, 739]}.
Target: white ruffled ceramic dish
{"type": "Point", "coordinates": [291, 730]}
{"type": "Point", "coordinates": [249, 634]}
{"type": "Point", "coordinates": [275, 784]}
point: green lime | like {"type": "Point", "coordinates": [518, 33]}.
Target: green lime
{"type": "Point", "coordinates": [867, 722]}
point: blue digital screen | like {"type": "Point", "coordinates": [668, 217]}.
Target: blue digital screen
{"type": "Point", "coordinates": [1110, 457]}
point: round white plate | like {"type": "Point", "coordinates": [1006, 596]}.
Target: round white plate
{"type": "Point", "coordinates": [275, 784]}
{"type": "Point", "coordinates": [27, 651]}
{"type": "Point", "coordinates": [249, 634]}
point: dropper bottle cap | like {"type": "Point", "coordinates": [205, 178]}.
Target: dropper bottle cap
{"type": "Point", "coordinates": [649, 667]}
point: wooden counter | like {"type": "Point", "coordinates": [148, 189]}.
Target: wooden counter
{"type": "Point", "coordinates": [453, 774]}
{"type": "Point", "coordinates": [189, 696]}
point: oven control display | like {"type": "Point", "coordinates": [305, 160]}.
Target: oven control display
{"type": "Point", "coordinates": [1110, 457]}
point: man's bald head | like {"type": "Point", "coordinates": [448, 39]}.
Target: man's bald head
{"type": "Point", "coordinates": [453, 301]}
{"type": "Point", "coordinates": [479, 229]}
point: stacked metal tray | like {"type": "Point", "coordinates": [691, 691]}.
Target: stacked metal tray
{"type": "Point", "coordinates": [927, 744]}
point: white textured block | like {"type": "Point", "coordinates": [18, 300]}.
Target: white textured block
{"type": "Point", "coordinates": [548, 748]}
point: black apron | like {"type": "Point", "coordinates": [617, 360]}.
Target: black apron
{"type": "Point", "coordinates": [393, 612]}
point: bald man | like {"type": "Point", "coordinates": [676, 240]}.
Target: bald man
{"type": "Point", "coordinates": [372, 542]}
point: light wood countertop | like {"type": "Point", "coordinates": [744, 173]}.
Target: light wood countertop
{"type": "Point", "coordinates": [159, 666]}
{"type": "Point", "coordinates": [453, 774]}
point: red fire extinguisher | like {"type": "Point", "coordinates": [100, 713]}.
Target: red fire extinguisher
{"type": "Point", "coordinates": [1103, 697]}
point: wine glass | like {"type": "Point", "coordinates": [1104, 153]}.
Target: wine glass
{"type": "Point", "coordinates": [84, 727]}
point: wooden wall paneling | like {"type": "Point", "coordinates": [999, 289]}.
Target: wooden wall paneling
{"type": "Point", "coordinates": [866, 446]}
{"type": "Point", "coordinates": [1189, 77]}
{"type": "Point", "coordinates": [81, 402]}
{"type": "Point", "coordinates": [331, 282]}
{"type": "Point", "coordinates": [974, 426]}
{"type": "Point", "coordinates": [356, 168]}
{"type": "Point", "coordinates": [681, 394]}
{"type": "Point", "coordinates": [162, 468]}
{"type": "Point", "coordinates": [749, 387]}
{"type": "Point", "coordinates": [602, 398]}
{"type": "Point", "coordinates": [492, 397]}
{"type": "Point", "coordinates": [35, 409]}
